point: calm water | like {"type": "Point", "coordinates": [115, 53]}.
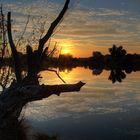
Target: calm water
{"type": "Point", "coordinates": [101, 110]}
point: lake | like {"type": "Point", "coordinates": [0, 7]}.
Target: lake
{"type": "Point", "coordinates": [101, 110]}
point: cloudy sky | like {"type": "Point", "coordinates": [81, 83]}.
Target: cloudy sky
{"type": "Point", "coordinates": [89, 25]}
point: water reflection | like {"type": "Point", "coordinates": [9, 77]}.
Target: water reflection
{"type": "Point", "coordinates": [101, 110]}
{"type": "Point", "coordinates": [115, 75]}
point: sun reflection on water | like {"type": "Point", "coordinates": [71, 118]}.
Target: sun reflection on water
{"type": "Point", "coordinates": [69, 76]}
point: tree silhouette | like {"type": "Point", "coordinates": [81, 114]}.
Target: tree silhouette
{"type": "Point", "coordinates": [117, 52]}
{"type": "Point", "coordinates": [98, 56]}
{"type": "Point", "coordinates": [97, 60]}
{"type": "Point", "coordinates": [25, 89]}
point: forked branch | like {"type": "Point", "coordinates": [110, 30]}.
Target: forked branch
{"type": "Point", "coordinates": [54, 24]}
{"type": "Point", "coordinates": [13, 49]}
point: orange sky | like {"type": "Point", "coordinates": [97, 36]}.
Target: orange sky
{"type": "Point", "coordinates": [88, 26]}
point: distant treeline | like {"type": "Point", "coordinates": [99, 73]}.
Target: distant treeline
{"type": "Point", "coordinates": [118, 58]}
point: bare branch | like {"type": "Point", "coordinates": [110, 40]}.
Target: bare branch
{"type": "Point", "coordinates": [24, 30]}
{"type": "Point", "coordinates": [42, 28]}
{"type": "Point", "coordinates": [57, 75]}
{"type": "Point", "coordinates": [54, 24]}
{"type": "Point", "coordinates": [13, 49]}
{"type": "Point", "coordinates": [53, 50]}
{"type": "Point", "coordinates": [3, 32]}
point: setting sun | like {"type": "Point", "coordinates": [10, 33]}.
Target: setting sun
{"type": "Point", "coordinates": [65, 51]}
{"type": "Point", "coordinates": [66, 47]}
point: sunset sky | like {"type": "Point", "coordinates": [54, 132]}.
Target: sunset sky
{"type": "Point", "coordinates": [89, 25]}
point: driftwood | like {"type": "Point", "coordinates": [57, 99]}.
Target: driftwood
{"type": "Point", "coordinates": [27, 89]}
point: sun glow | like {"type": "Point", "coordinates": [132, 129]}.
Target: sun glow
{"type": "Point", "coordinates": [66, 47]}
{"type": "Point", "coordinates": [65, 51]}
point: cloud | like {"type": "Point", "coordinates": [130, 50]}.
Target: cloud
{"type": "Point", "coordinates": [107, 12]}
{"type": "Point", "coordinates": [104, 26]}
{"type": "Point", "coordinates": [97, 27]}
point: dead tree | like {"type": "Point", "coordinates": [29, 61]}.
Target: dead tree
{"type": "Point", "coordinates": [27, 89]}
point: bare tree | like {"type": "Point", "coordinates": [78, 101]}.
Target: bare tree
{"type": "Point", "coordinates": [27, 89]}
